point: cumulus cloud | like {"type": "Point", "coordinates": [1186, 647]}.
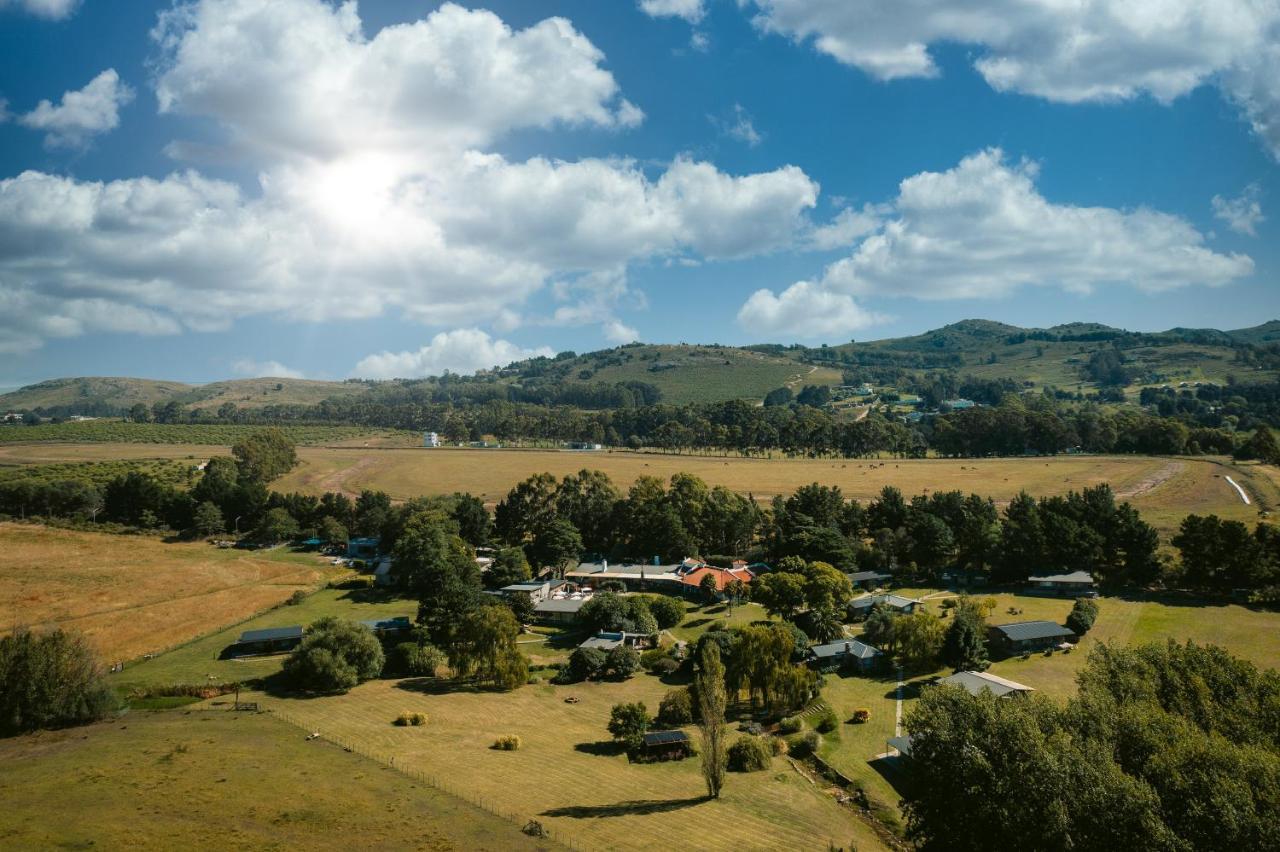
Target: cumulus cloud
{"type": "Point", "coordinates": [847, 226]}
{"type": "Point", "coordinates": [739, 125]}
{"type": "Point", "coordinates": [360, 211]}
{"type": "Point", "coordinates": [690, 10]}
{"type": "Point", "coordinates": [81, 114]}
{"type": "Point", "coordinates": [52, 9]}
{"type": "Point", "coordinates": [804, 310]}
{"type": "Point", "coordinates": [1242, 214]}
{"type": "Point", "coordinates": [1104, 50]}
{"type": "Point", "coordinates": [265, 369]}
{"type": "Point", "coordinates": [462, 350]}
{"type": "Point", "coordinates": [618, 333]}
{"type": "Point", "coordinates": [983, 230]}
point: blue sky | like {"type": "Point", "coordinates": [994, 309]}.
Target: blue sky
{"type": "Point", "coordinates": [231, 187]}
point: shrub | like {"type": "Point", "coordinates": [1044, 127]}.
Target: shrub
{"type": "Point", "coordinates": [334, 656]}
{"type": "Point", "coordinates": [778, 745]}
{"type": "Point", "coordinates": [667, 611]}
{"type": "Point", "coordinates": [50, 680]}
{"type": "Point", "coordinates": [1083, 614]}
{"type": "Point", "coordinates": [666, 666]}
{"type": "Point", "coordinates": [803, 745]}
{"type": "Point", "coordinates": [296, 598]}
{"type": "Point", "coordinates": [790, 725]}
{"type": "Point", "coordinates": [676, 708]}
{"type": "Point", "coordinates": [750, 754]}
{"type": "Point", "coordinates": [622, 662]}
{"type": "Point", "coordinates": [508, 742]}
{"type": "Point", "coordinates": [861, 715]}
{"type": "Point", "coordinates": [827, 722]}
{"type": "Point", "coordinates": [409, 659]}
{"type": "Point", "coordinates": [584, 664]}
{"type": "Point", "coordinates": [415, 719]}
{"type": "Point", "coordinates": [650, 657]}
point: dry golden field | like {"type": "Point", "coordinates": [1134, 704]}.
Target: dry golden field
{"type": "Point", "coordinates": [132, 595]}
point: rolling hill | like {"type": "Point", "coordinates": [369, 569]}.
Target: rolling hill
{"type": "Point", "coordinates": [683, 373]}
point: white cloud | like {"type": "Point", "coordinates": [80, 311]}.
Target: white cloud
{"type": "Point", "coordinates": [358, 215]}
{"type": "Point", "coordinates": [804, 310]}
{"type": "Point", "coordinates": [82, 114]}
{"type": "Point", "coordinates": [1102, 50]}
{"type": "Point", "coordinates": [699, 41]}
{"type": "Point", "coordinates": [52, 9]}
{"type": "Point", "coordinates": [463, 350]}
{"type": "Point", "coordinates": [982, 230]}
{"type": "Point", "coordinates": [847, 226]}
{"type": "Point", "coordinates": [690, 10]}
{"type": "Point", "coordinates": [456, 79]}
{"type": "Point", "coordinates": [738, 125]}
{"type": "Point", "coordinates": [265, 370]}
{"type": "Point", "coordinates": [616, 332]}
{"type": "Point", "coordinates": [1242, 214]}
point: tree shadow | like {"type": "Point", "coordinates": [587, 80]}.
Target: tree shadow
{"type": "Point", "coordinates": [441, 686]}
{"type": "Point", "coordinates": [910, 689]}
{"type": "Point", "coordinates": [372, 595]}
{"type": "Point", "coordinates": [696, 622]}
{"type": "Point", "coordinates": [892, 769]}
{"type": "Point", "coordinates": [602, 748]}
{"type": "Point", "coordinates": [634, 807]}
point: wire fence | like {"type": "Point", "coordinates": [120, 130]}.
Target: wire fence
{"type": "Point", "coordinates": [436, 782]}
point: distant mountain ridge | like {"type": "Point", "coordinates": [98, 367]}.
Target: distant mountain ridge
{"type": "Point", "coordinates": [706, 373]}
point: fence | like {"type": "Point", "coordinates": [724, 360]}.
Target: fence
{"type": "Point", "coordinates": [435, 782]}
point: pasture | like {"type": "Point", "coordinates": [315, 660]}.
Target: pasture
{"type": "Point", "coordinates": [568, 775]}
{"type": "Point", "coordinates": [132, 595]}
{"type": "Point", "coordinates": [190, 780]}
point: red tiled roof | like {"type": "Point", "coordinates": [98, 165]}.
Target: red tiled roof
{"type": "Point", "coordinates": [724, 576]}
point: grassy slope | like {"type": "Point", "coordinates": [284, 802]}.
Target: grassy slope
{"type": "Point", "coordinates": [126, 392]}
{"type": "Point", "coordinates": [222, 780]}
{"type": "Point", "coordinates": [119, 431]}
{"type": "Point", "coordinates": [134, 594]}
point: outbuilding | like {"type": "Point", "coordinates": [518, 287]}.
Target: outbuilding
{"type": "Point", "coordinates": [845, 653]}
{"type": "Point", "coordinates": [269, 640]}
{"type": "Point", "coordinates": [1075, 584]}
{"type": "Point", "coordinates": [666, 745]}
{"type": "Point", "coordinates": [860, 608]}
{"type": "Point", "coordinates": [1024, 636]}
{"type": "Point", "coordinates": [868, 579]}
{"type": "Point", "coordinates": [975, 683]}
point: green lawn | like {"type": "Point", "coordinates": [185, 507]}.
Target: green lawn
{"type": "Point", "coordinates": [702, 618]}
{"type": "Point", "coordinates": [194, 662]}
{"type": "Point", "coordinates": [217, 779]}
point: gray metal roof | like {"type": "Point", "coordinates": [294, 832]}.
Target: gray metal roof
{"type": "Point", "coordinates": [845, 648]}
{"type": "Point", "coordinates": [895, 601]}
{"type": "Point", "coordinates": [271, 634]}
{"type": "Point", "coordinates": [1022, 631]}
{"type": "Point", "coordinates": [975, 682]}
{"type": "Point", "coordinates": [859, 576]}
{"type": "Point", "coordinates": [1073, 577]}
{"type": "Point", "coordinates": [665, 737]}
{"type": "Point", "coordinates": [902, 744]}
{"type": "Point", "coordinates": [529, 586]}
{"type": "Point", "coordinates": [560, 605]}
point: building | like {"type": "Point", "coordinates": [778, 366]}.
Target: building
{"type": "Point", "coordinates": [666, 745]}
{"type": "Point", "coordinates": [1075, 584]}
{"type": "Point", "coordinates": [363, 548]}
{"type": "Point", "coordinates": [633, 576]}
{"type": "Point", "coordinates": [975, 683]}
{"type": "Point", "coordinates": [270, 640]}
{"type": "Point", "coordinates": [693, 573]}
{"type": "Point", "coordinates": [902, 745]}
{"type": "Point", "coordinates": [536, 590]}
{"type": "Point", "coordinates": [390, 628]}
{"type": "Point", "coordinates": [560, 610]}
{"type": "Point", "coordinates": [583, 446]}
{"type": "Point", "coordinates": [959, 404]}
{"type": "Point", "coordinates": [605, 641]}
{"type": "Point", "coordinates": [868, 579]}
{"type": "Point", "coordinates": [382, 575]}
{"type": "Point", "coordinates": [431, 439]}
{"type": "Point", "coordinates": [845, 653]}
{"type": "Point", "coordinates": [1023, 636]}
{"type": "Point", "coordinates": [860, 608]}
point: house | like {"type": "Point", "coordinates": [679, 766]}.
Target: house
{"type": "Point", "coordinates": [382, 575]}
{"type": "Point", "coordinates": [634, 576]}
{"type": "Point", "coordinates": [860, 608]}
{"type": "Point", "coordinates": [1025, 636]}
{"type": "Point", "coordinates": [975, 683]}
{"type": "Point", "coordinates": [270, 640]}
{"type": "Point", "coordinates": [845, 653]}
{"type": "Point", "coordinates": [535, 590]}
{"type": "Point", "coordinates": [363, 548]}
{"type": "Point", "coordinates": [430, 439]}
{"type": "Point", "coordinates": [666, 745]}
{"type": "Point", "coordinates": [560, 610]}
{"type": "Point", "coordinates": [605, 641]}
{"type": "Point", "coordinates": [693, 573]}
{"type": "Point", "coordinates": [959, 404]}
{"type": "Point", "coordinates": [1075, 584]}
{"type": "Point", "coordinates": [868, 579]}
{"type": "Point", "coordinates": [390, 628]}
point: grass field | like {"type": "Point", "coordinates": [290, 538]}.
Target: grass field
{"type": "Point", "coordinates": [132, 595]}
{"type": "Point", "coordinates": [120, 431]}
{"type": "Point", "coordinates": [199, 661]}
{"type": "Point", "coordinates": [569, 777]}
{"type": "Point", "coordinates": [196, 780]}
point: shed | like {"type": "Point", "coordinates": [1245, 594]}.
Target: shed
{"type": "Point", "coordinates": [269, 640]}
{"type": "Point", "coordinates": [831, 656]}
{"type": "Point", "coordinates": [868, 579]}
{"type": "Point", "coordinates": [666, 745]}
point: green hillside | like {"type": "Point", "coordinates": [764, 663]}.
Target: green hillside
{"type": "Point", "coordinates": [68, 395]}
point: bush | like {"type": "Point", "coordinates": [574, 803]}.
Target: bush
{"type": "Point", "coordinates": [667, 611]}
{"type": "Point", "coordinates": [778, 745]}
{"type": "Point", "coordinates": [409, 659]}
{"type": "Point", "coordinates": [509, 742]}
{"type": "Point", "coordinates": [296, 598]}
{"type": "Point", "coordinates": [861, 715]}
{"type": "Point", "coordinates": [651, 656]}
{"type": "Point", "coordinates": [415, 719]}
{"type": "Point", "coordinates": [803, 745]}
{"type": "Point", "coordinates": [790, 725]}
{"type": "Point", "coordinates": [50, 680]}
{"type": "Point", "coordinates": [750, 754]}
{"type": "Point", "coordinates": [827, 722]}
{"type": "Point", "coordinates": [666, 666]}
{"type": "Point", "coordinates": [584, 664]}
{"type": "Point", "coordinates": [628, 724]}
{"type": "Point", "coordinates": [1083, 614]}
{"type": "Point", "coordinates": [334, 656]}
{"type": "Point", "coordinates": [621, 662]}
{"type": "Point", "coordinates": [676, 708]}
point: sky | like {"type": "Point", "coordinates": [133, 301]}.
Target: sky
{"type": "Point", "coordinates": [204, 190]}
